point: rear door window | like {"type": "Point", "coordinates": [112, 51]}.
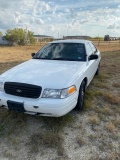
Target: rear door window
{"type": "Point", "coordinates": [93, 47]}
{"type": "Point", "coordinates": [89, 49]}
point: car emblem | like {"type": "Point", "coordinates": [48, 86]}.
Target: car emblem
{"type": "Point", "coordinates": [18, 90]}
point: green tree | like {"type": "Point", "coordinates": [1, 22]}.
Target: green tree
{"type": "Point", "coordinates": [1, 33]}
{"type": "Point", "coordinates": [31, 38]}
{"type": "Point", "coordinates": [98, 38]}
{"type": "Point", "coordinates": [19, 36]}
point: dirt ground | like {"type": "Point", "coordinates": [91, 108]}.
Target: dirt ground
{"type": "Point", "coordinates": [93, 134]}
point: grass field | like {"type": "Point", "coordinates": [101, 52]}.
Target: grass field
{"type": "Point", "coordinates": [93, 134]}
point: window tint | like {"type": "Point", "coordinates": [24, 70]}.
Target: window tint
{"type": "Point", "coordinates": [62, 51]}
{"type": "Point", "coordinates": [89, 49]}
{"type": "Point", "coordinates": [93, 47]}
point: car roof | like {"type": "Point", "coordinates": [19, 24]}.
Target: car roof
{"type": "Point", "coordinates": [70, 41]}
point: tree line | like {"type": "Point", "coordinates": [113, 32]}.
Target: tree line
{"type": "Point", "coordinates": [19, 36]}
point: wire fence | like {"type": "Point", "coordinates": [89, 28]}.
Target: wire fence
{"type": "Point", "coordinates": [104, 43]}
{"type": "Point", "coordinates": [97, 42]}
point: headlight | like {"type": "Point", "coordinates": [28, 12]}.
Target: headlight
{"type": "Point", "coordinates": [1, 86]}
{"type": "Point", "coordinates": [58, 93]}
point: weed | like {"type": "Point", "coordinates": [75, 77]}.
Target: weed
{"type": "Point", "coordinates": [116, 121]}
{"type": "Point", "coordinates": [103, 117]}
{"type": "Point", "coordinates": [94, 120]}
{"type": "Point", "coordinates": [113, 156]}
{"type": "Point", "coordinates": [9, 154]}
{"type": "Point", "coordinates": [80, 140]}
{"type": "Point", "coordinates": [110, 127]}
{"type": "Point", "coordinates": [104, 145]}
{"type": "Point", "coordinates": [92, 137]}
{"type": "Point", "coordinates": [89, 95]}
{"type": "Point", "coordinates": [102, 78]}
{"type": "Point", "coordinates": [14, 141]}
{"type": "Point", "coordinates": [107, 110]}
{"type": "Point", "coordinates": [2, 128]}
{"type": "Point", "coordinates": [79, 126]}
{"type": "Point", "coordinates": [46, 140]}
{"type": "Point", "coordinates": [11, 122]}
{"type": "Point", "coordinates": [110, 98]}
{"type": "Point", "coordinates": [101, 85]}
{"type": "Point", "coordinates": [117, 85]}
{"type": "Point", "coordinates": [56, 124]}
{"type": "Point", "coordinates": [114, 136]}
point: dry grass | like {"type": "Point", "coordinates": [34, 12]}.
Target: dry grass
{"type": "Point", "coordinates": [105, 46]}
{"type": "Point", "coordinates": [9, 154]}
{"type": "Point", "coordinates": [92, 137]}
{"type": "Point", "coordinates": [89, 95]}
{"type": "Point", "coordinates": [110, 127]}
{"type": "Point", "coordinates": [110, 98]}
{"type": "Point", "coordinates": [94, 120]}
{"type": "Point", "coordinates": [101, 85]}
{"type": "Point", "coordinates": [80, 140]}
{"type": "Point", "coordinates": [109, 48]}
{"type": "Point", "coordinates": [106, 110]}
{"type": "Point", "coordinates": [19, 53]}
{"type": "Point", "coordinates": [116, 85]}
{"type": "Point", "coordinates": [22, 53]}
{"type": "Point", "coordinates": [47, 139]}
{"type": "Point", "coordinates": [113, 156]}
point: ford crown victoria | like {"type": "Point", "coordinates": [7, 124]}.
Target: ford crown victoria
{"type": "Point", "coordinates": [54, 81]}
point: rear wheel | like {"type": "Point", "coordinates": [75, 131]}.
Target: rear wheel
{"type": "Point", "coordinates": [98, 70]}
{"type": "Point", "coordinates": [81, 96]}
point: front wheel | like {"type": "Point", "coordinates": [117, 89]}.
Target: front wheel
{"type": "Point", "coordinates": [80, 102]}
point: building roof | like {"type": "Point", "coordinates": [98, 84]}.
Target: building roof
{"type": "Point", "coordinates": [75, 37]}
{"type": "Point", "coordinates": [42, 36]}
{"type": "Point", "coordinates": [3, 41]}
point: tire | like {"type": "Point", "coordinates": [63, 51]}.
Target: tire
{"type": "Point", "coordinates": [80, 102]}
{"type": "Point", "coordinates": [98, 70]}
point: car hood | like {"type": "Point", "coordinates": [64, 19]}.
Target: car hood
{"type": "Point", "coordinates": [45, 73]}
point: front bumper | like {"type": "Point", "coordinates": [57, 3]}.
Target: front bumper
{"type": "Point", "coordinates": [42, 106]}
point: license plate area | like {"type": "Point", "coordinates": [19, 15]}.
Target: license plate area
{"type": "Point", "coordinates": [16, 106]}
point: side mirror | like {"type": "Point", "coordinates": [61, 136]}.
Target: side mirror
{"type": "Point", "coordinates": [93, 56]}
{"type": "Point", "coordinates": [32, 54]}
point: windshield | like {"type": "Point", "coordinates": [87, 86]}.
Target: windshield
{"type": "Point", "coordinates": [62, 51]}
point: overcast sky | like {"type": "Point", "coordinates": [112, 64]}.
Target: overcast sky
{"type": "Point", "coordinates": [62, 17]}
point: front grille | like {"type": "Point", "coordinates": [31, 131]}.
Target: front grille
{"type": "Point", "coordinates": [22, 89]}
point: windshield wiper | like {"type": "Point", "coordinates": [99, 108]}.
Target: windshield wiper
{"type": "Point", "coordinates": [64, 59]}
{"type": "Point", "coordinates": [57, 59]}
{"type": "Point", "coordinates": [35, 58]}
{"type": "Point", "coordinates": [42, 58]}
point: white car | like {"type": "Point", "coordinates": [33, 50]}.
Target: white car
{"type": "Point", "coordinates": [54, 81]}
